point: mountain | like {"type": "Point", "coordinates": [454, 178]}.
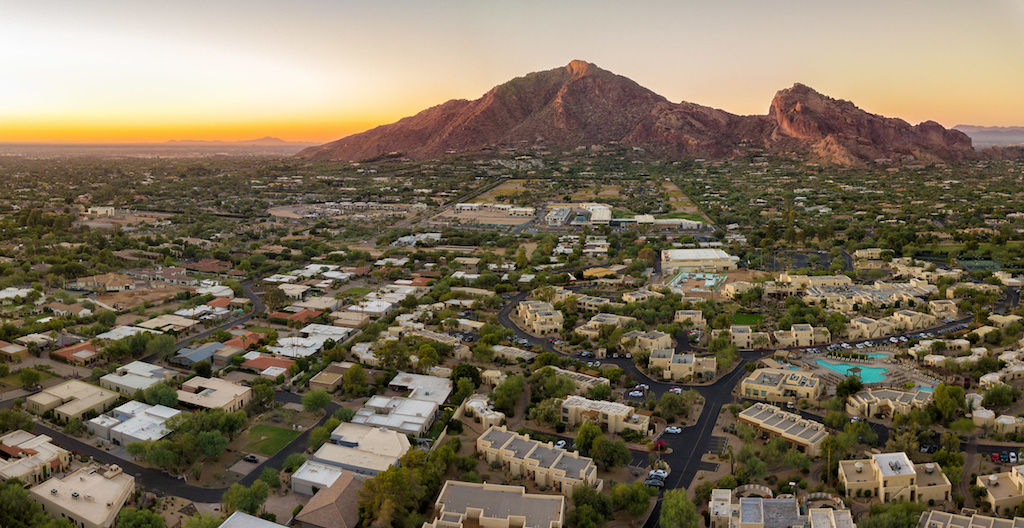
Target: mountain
{"type": "Point", "coordinates": [985, 136]}
{"type": "Point", "coordinates": [582, 105]}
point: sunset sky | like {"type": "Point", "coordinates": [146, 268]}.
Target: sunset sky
{"type": "Point", "coordinates": [318, 70]}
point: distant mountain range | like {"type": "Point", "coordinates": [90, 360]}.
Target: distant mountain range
{"type": "Point", "coordinates": [580, 105]}
{"type": "Point", "coordinates": [984, 136]}
{"type": "Point", "coordinates": [265, 141]}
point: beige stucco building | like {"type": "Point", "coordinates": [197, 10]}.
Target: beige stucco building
{"type": "Point", "coordinates": [30, 458]}
{"type": "Point", "coordinates": [540, 317]}
{"type": "Point", "coordinates": [540, 462]}
{"type": "Point", "coordinates": [805, 435]}
{"type": "Point", "coordinates": [648, 341]}
{"type": "Point", "coordinates": [90, 497]}
{"type": "Point", "coordinates": [893, 477]}
{"type": "Point", "coordinates": [778, 385]}
{"type": "Point", "coordinates": [592, 328]}
{"type": "Point", "coordinates": [886, 402]}
{"type": "Point", "coordinates": [802, 335]}
{"type": "Point", "coordinates": [743, 336]}
{"type": "Point", "coordinates": [694, 316]}
{"type": "Point", "coordinates": [1003, 491]}
{"type": "Point", "coordinates": [678, 367]}
{"type": "Point", "coordinates": [617, 417]}
{"type": "Point", "coordinates": [214, 393]}
{"type": "Point", "coordinates": [468, 504]}
{"type": "Point", "coordinates": [71, 399]}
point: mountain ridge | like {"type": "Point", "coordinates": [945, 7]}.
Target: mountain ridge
{"type": "Point", "coordinates": [581, 104]}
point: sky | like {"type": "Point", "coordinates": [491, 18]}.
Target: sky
{"type": "Point", "coordinates": [305, 70]}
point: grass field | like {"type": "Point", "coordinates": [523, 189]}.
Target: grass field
{"type": "Point", "coordinates": [12, 381]}
{"type": "Point", "coordinates": [741, 318]}
{"type": "Point", "coordinates": [268, 439]}
{"type": "Point", "coordinates": [356, 292]}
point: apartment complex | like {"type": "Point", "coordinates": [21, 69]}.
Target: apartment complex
{"type": "Point", "coordinates": [743, 336]}
{"type": "Point", "coordinates": [893, 477]}
{"type": "Point", "coordinates": [648, 341]}
{"type": "Point", "coordinates": [467, 504]}
{"type": "Point", "coordinates": [30, 458]}
{"type": "Point", "coordinates": [540, 317]}
{"type": "Point", "coordinates": [677, 367]}
{"type": "Point", "coordinates": [90, 497]}
{"type": "Point", "coordinates": [583, 382]}
{"type": "Point", "coordinates": [558, 469]}
{"type": "Point", "coordinates": [592, 328]}
{"type": "Point", "coordinates": [214, 393]}
{"type": "Point", "coordinates": [71, 399]}
{"type": "Point", "coordinates": [779, 385]}
{"type": "Point", "coordinates": [941, 519]}
{"type": "Point", "coordinates": [617, 417]}
{"type": "Point", "coordinates": [805, 435]}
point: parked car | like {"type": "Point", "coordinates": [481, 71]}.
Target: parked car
{"type": "Point", "coordinates": [1004, 458]}
{"type": "Point", "coordinates": [251, 458]}
{"type": "Point", "coordinates": [1013, 457]}
{"type": "Point", "coordinates": [636, 394]}
{"type": "Point", "coordinates": [629, 356]}
{"type": "Point", "coordinates": [995, 457]}
{"type": "Point", "coordinates": [656, 483]}
{"type": "Point", "coordinates": [672, 429]}
{"type": "Point", "coordinates": [676, 390]}
{"type": "Point", "coordinates": [659, 474]}
{"type": "Point", "coordinates": [560, 444]}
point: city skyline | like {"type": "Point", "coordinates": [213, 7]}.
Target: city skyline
{"type": "Point", "coordinates": [317, 71]}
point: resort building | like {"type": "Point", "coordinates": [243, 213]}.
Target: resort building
{"type": "Point", "coordinates": [893, 477]}
{"type": "Point", "coordinates": [617, 417]}
{"type": "Point", "coordinates": [468, 504]}
{"type": "Point", "coordinates": [540, 317]}
{"type": "Point", "coordinates": [943, 308]}
{"type": "Point", "coordinates": [558, 469]}
{"type": "Point", "coordinates": [214, 393]}
{"type": "Point", "coordinates": [805, 435]}
{"type": "Point", "coordinates": [1003, 491]}
{"type": "Point", "coordinates": [727, 511]}
{"type": "Point", "coordinates": [30, 458]}
{"type": "Point", "coordinates": [777, 385]}
{"type": "Point", "coordinates": [802, 335]}
{"type": "Point", "coordinates": [886, 403]}
{"type": "Point", "coordinates": [592, 328]}
{"type": "Point", "coordinates": [744, 337]}
{"type": "Point", "coordinates": [478, 407]}
{"type": "Point", "coordinates": [71, 399]}
{"type": "Point", "coordinates": [696, 317]}
{"type": "Point", "coordinates": [677, 367]}
{"type": "Point", "coordinates": [673, 260]}
{"type": "Point", "coordinates": [583, 382]}
{"type": "Point", "coordinates": [941, 519]}
{"type": "Point", "coordinates": [648, 341]}
{"type": "Point", "coordinates": [90, 497]}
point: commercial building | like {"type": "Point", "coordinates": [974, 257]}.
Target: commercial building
{"type": "Point", "coordinates": [214, 393]}
{"type": "Point", "coordinates": [558, 469]}
{"type": "Point", "coordinates": [362, 449]}
{"type": "Point", "coordinates": [90, 497]}
{"type": "Point", "coordinates": [71, 399]}
{"type": "Point", "coordinates": [617, 417]}
{"type": "Point", "coordinates": [778, 385]}
{"type": "Point", "coordinates": [135, 376]}
{"type": "Point", "coordinates": [540, 317]}
{"type": "Point", "coordinates": [30, 458]}
{"type": "Point", "coordinates": [677, 367]}
{"type": "Point", "coordinates": [893, 477]}
{"type": "Point", "coordinates": [134, 421]}
{"type": "Point", "coordinates": [1003, 491]}
{"type": "Point", "coordinates": [467, 504]}
{"type": "Point", "coordinates": [805, 435]}
{"type": "Point", "coordinates": [886, 402]}
{"type": "Point", "coordinates": [673, 260]}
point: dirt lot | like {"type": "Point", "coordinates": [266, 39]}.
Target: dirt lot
{"type": "Point", "coordinates": [132, 298]}
{"type": "Point", "coordinates": [595, 192]}
{"type": "Point", "coordinates": [506, 189]}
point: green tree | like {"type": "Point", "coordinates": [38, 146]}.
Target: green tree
{"type": "Point", "coordinates": [345, 414]}
{"type": "Point", "coordinates": [203, 520]}
{"type": "Point", "coordinates": [161, 394]}
{"type": "Point", "coordinates": [848, 387]}
{"type": "Point", "coordinates": [601, 391]}
{"type": "Point", "coordinates": [29, 377]}
{"type": "Point", "coordinates": [203, 368]}
{"type": "Point", "coordinates": [161, 345]}
{"type": "Point", "coordinates": [586, 436]}
{"type": "Point", "coordinates": [316, 400]}
{"type": "Point", "coordinates": [106, 318]}
{"type": "Point", "coordinates": [1000, 396]}
{"type": "Point", "coordinates": [609, 453]}
{"type": "Point", "coordinates": [248, 500]}
{"type": "Point", "coordinates": [293, 461]}
{"type": "Point", "coordinates": [271, 477]}
{"type": "Point", "coordinates": [11, 419]}
{"type": "Point", "coordinates": [354, 381]}
{"type": "Point", "coordinates": [320, 435]}
{"type": "Point", "coordinates": [633, 498]}
{"type": "Point", "coordinates": [211, 443]}
{"type": "Point", "coordinates": [507, 393]}
{"type": "Point", "coordinates": [133, 518]}
{"type": "Point", "coordinates": [677, 511]}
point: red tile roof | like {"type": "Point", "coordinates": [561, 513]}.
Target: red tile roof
{"type": "Point", "coordinates": [68, 354]}
{"type": "Point", "coordinates": [220, 302]}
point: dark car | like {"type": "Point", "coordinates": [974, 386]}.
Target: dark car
{"type": "Point", "coordinates": [250, 458]}
{"type": "Point", "coordinates": [655, 483]}
{"type": "Point", "coordinates": [1004, 457]}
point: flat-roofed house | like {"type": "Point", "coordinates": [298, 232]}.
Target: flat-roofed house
{"type": "Point", "coordinates": [805, 435]}
{"type": "Point", "coordinates": [71, 399]}
{"type": "Point", "coordinates": [583, 382]}
{"type": "Point", "coordinates": [82, 354]}
{"type": "Point", "coordinates": [648, 341]}
{"type": "Point", "coordinates": [468, 504]}
{"type": "Point", "coordinates": [778, 385]}
{"type": "Point", "coordinates": [743, 336]}
{"type": "Point", "coordinates": [541, 318]}
{"type": "Point", "coordinates": [1004, 491]}
{"type": "Point", "coordinates": [30, 458]}
{"type": "Point", "coordinates": [133, 421]}
{"type": "Point", "coordinates": [727, 511]}
{"type": "Point", "coordinates": [12, 352]}
{"type": "Point", "coordinates": [943, 308]}
{"type": "Point", "coordinates": [893, 477]}
{"type": "Point", "coordinates": [362, 449]}
{"type": "Point", "coordinates": [541, 462]}
{"type": "Point", "coordinates": [135, 376]}
{"type": "Point", "coordinates": [91, 497]}
{"type": "Point", "coordinates": [214, 393]}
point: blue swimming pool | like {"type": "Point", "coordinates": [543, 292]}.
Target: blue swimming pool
{"type": "Point", "coordinates": [878, 355]}
{"type": "Point", "coordinates": [926, 388]}
{"type": "Point", "coordinates": [867, 374]}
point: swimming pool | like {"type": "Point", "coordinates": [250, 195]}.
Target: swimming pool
{"type": "Point", "coordinates": [878, 355]}
{"type": "Point", "coordinates": [867, 374]}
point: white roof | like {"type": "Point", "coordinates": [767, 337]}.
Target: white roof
{"type": "Point", "coordinates": [122, 332]}
{"type": "Point", "coordinates": [894, 464]}
{"type": "Point", "coordinates": [319, 474]}
{"type": "Point", "coordinates": [244, 520]}
{"type": "Point", "coordinates": [694, 254]}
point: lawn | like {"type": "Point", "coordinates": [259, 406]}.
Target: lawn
{"type": "Point", "coordinates": [12, 381]}
{"type": "Point", "coordinates": [268, 439]}
{"type": "Point", "coordinates": [741, 318]}
{"type": "Point", "coordinates": [356, 292]}
{"type": "Point", "coordinates": [684, 216]}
